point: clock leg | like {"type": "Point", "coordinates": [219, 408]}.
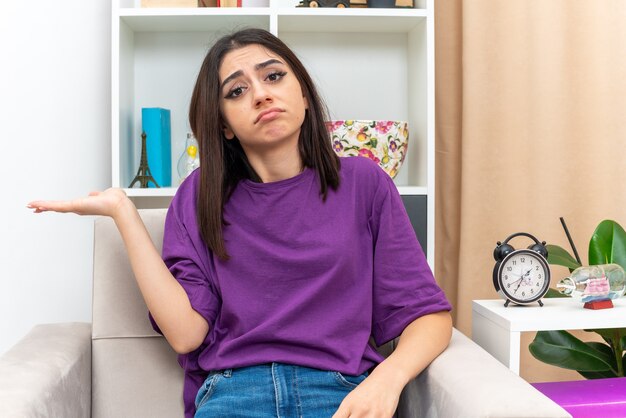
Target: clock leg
{"type": "Point", "coordinates": [540, 303]}
{"type": "Point", "coordinates": [507, 303]}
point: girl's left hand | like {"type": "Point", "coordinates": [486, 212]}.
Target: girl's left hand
{"type": "Point", "coordinates": [378, 395]}
{"type": "Point", "coordinates": [375, 397]}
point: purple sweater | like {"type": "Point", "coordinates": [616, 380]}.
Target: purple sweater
{"type": "Point", "coordinates": [308, 282]}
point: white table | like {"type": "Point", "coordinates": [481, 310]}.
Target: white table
{"type": "Point", "coordinates": [498, 329]}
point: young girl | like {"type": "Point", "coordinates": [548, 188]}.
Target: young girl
{"type": "Point", "coordinates": [280, 260]}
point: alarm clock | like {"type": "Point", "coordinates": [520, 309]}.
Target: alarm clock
{"type": "Point", "coordinates": [521, 276]}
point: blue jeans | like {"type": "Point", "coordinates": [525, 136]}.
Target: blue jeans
{"type": "Point", "coordinates": [274, 390]}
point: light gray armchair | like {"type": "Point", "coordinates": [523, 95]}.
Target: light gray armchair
{"type": "Point", "coordinates": [119, 367]}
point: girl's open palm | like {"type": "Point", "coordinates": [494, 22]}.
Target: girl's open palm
{"type": "Point", "coordinates": [106, 203]}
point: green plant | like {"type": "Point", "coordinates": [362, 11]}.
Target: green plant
{"type": "Point", "coordinates": [593, 360]}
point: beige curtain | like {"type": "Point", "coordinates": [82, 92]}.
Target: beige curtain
{"type": "Point", "coordinates": [531, 126]}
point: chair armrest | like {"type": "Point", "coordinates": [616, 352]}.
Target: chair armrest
{"type": "Point", "coordinates": [465, 381]}
{"type": "Point", "coordinates": [48, 373]}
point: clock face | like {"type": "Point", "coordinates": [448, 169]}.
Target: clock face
{"type": "Point", "coordinates": [523, 276]}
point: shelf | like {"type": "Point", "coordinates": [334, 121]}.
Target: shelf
{"type": "Point", "coordinates": [151, 192]}
{"type": "Point", "coordinates": [556, 314]}
{"type": "Point", "coordinates": [388, 81]}
{"type": "Point", "coordinates": [289, 19]}
{"type": "Point", "coordinates": [375, 64]}
{"type": "Point", "coordinates": [498, 329]}
{"type": "Point", "coordinates": [412, 190]}
{"type": "Point", "coordinates": [199, 20]}
{"type": "Point", "coordinates": [356, 20]}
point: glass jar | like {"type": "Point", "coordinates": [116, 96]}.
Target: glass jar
{"type": "Point", "coordinates": [189, 160]}
{"type": "Point", "coordinates": [592, 283]}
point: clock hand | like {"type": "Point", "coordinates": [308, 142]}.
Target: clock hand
{"type": "Point", "coordinates": [520, 275]}
{"type": "Point", "coordinates": [525, 276]}
{"type": "Point", "coordinates": [522, 280]}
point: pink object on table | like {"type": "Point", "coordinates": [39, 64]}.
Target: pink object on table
{"type": "Point", "coordinates": [598, 287]}
{"type": "Point", "coordinates": [594, 398]}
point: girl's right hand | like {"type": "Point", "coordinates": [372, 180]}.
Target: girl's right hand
{"type": "Point", "coordinates": [106, 203]}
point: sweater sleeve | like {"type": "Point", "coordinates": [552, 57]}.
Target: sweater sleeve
{"type": "Point", "coordinates": [404, 288]}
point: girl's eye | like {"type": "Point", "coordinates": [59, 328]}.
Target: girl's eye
{"type": "Point", "coordinates": [235, 92]}
{"type": "Point", "coordinates": [275, 76]}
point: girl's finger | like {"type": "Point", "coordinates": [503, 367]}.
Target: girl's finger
{"type": "Point", "coordinates": [37, 208]}
{"type": "Point", "coordinates": [45, 206]}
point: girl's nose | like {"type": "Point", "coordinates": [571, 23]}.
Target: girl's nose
{"type": "Point", "coordinates": [266, 100]}
{"type": "Point", "coordinates": [261, 95]}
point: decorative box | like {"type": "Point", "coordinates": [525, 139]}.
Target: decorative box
{"type": "Point", "coordinates": [383, 141]}
{"type": "Point", "coordinates": [155, 122]}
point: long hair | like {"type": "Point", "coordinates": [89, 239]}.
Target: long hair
{"type": "Point", "coordinates": [223, 163]}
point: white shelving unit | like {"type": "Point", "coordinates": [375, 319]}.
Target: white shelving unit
{"type": "Point", "coordinates": [498, 329]}
{"type": "Point", "coordinates": [368, 64]}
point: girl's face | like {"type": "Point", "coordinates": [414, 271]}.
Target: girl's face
{"type": "Point", "coordinates": [261, 100]}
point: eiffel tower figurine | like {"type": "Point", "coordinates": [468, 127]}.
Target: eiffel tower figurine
{"type": "Point", "coordinates": [143, 173]}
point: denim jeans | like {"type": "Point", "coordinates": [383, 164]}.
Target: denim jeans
{"type": "Point", "coordinates": [274, 390]}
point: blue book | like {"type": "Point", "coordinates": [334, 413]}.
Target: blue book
{"type": "Point", "coordinates": [155, 122]}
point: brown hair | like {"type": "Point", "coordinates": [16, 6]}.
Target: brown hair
{"type": "Point", "coordinates": [223, 163]}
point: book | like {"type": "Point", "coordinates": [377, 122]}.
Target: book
{"type": "Point", "coordinates": [169, 3]}
{"type": "Point", "coordinates": [155, 122]}
{"type": "Point", "coordinates": [228, 3]}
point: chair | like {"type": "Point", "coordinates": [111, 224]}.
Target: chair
{"type": "Point", "coordinates": [119, 367]}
